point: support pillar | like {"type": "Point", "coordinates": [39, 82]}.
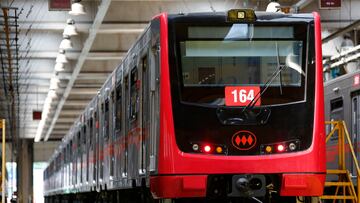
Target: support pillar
{"type": "Point", "coordinates": [25, 158]}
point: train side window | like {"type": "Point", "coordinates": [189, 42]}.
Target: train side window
{"type": "Point", "coordinates": [106, 120]}
{"type": "Point", "coordinates": [336, 104]}
{"type": "Point", "coordinates": [118, 108]}
{"type": "Point", "coordinates": [70, 149]}
{"type": "Point", "coordinates": [79, 142]}
{"type": "Point", "coordinates": [84, 136]}
{"type": "Point", "coordinates": [134, 94]}
{"type": "Point", "coordinates": [96, 122]}
{"type": "Point", "coordinates": [90, 123]}
{"type": "Point", "coordinates": [113, 114]}
{"type": "Point", "coordinates": [336, 112]}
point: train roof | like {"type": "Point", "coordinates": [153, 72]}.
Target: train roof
{"type": "Point", "coordinates": [260, 15]}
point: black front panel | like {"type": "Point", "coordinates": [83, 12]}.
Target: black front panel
{"type": "Point", "coordinates": [285, 116]}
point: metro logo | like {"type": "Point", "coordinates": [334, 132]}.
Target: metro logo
{"type": "Point", "coordinates": [241, 96]}
{"type": "Point", "coordinates": [243, 140]}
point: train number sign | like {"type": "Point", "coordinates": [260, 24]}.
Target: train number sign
{"type": "Point", "coordinates": [241, 95]}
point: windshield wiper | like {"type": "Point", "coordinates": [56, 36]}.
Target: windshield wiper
{"type": "Point", "coordinates": [266, 86]}
{"type": "Point", "coordinates": [278, 64]}
{"type": "Point", "coordinates": [241, 117]}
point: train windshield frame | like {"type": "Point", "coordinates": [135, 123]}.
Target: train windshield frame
{"type": "Point", "coordinates": [213, 57]}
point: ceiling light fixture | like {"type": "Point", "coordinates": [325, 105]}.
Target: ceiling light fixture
{"type": "Point", "coordinates": [66, 43]}
{"type": "Point", "coordinates": [59, 67]}
{"type": "Point", "coordinates": [52, 93]}
{"type": "Point", "coordinates": [77, 8]}
{"type": "Point", "coordinates": [70, 28]}
{"type": "Point", "coordinates": [54, 83]}
{"type": "Point", "coordinates": [61, 58]}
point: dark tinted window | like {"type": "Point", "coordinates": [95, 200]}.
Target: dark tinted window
{"type": "Point", "coordinates": [134, 94]}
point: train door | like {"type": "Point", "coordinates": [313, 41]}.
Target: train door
{"type": "Point", "coordinates": [145, 115]}
{"type": "Point", "coordinates": [66, 165]}
{"type": "Point", "coordinates": [336, 113]}
{"type": "Point", "coordinates": [83, 152]}
{"type": "Point", "coordinates": [62, 167]}
{"type": "Point", "coordinates": [134, 128]}
{"type": "Point", "coordinates": [355, 126]}
{"type": "Point", "coordinates": [106, 139]}
{"type": "Point", "coordinates": [118, 125]}
{"type": "Point", "coordinates": [79, 155]}
{"type": "Point", "coordinates": [87, 151]}
{"type": "Point", "coordinates": [112, 119]}
{"type": "Point", "coordinates": [72, 176]}
{"type": "Point", "coordinates": [153, 68]}
{"type": "Point", "coordinates": [96, 146]}
{"type": "Point", "coordinates": [101, 142]}
{"type": "Point", "coordinates": [91, 149]}
{"type": "Point", "coordinates": [124, 140]}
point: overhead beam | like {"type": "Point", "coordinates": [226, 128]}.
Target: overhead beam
{"type": "Point", "coordinates": [42, 90]}
{"type": "Point", "coordinates": [71, 112]}
{"type": "Point", "coordinates": [39, 104]}
{"type": "Point", "coordinates": [50, 54]}
{"type": "Point", "coordinates": [66, 76]}
{"type": "Point", "coordinates": [102, 10]}
{"type": "Point", "coordinates": [342, 31]}
{"type": "Point", "coordinates": [301, 4]}
{"type": "Point", "coordinates": [83, 27]}
{"type": "Point", "coordinates": [116, 28]}
{"type": "Point", "coordinates": [64, 120]}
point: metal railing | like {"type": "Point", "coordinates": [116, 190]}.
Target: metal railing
{"type": "Point", "coordinates": [343, 140]}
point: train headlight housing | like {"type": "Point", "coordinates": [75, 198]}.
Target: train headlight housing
{"type": "Point", "coordinates": [209, 148]}
{"type": "Point", "coordinates": [280, 147]}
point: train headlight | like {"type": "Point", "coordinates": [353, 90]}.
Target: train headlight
{"type": "Point", "coordinates": [280, 148]}
{"type": "Point", "coordinates": [207, 148]}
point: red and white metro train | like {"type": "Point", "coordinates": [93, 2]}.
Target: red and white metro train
{"type": "Point", "coordinates": [208, 106]}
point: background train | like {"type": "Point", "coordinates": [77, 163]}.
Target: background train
{"type": "Point", "coordinates": [209, 105]}
{"type": "Point", "coordinates": [342, 96]}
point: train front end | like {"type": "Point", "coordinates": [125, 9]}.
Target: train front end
{"type": "Point", "coordinates": [241, 106]}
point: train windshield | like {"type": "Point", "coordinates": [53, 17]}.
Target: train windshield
{"type": "Point", "coordinates": [241, 55]}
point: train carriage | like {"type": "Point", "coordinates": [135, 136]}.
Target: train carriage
{"type": "Point", "coordinates": [342, 103]}
{"type": "Point", "coordinates": [209, 105]}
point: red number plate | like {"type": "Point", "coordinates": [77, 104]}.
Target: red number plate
{"type": "Point", "coordinates": [241, 96]}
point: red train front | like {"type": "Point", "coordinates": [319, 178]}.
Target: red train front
{"type": "Point", "coordinates": [241, 106]}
